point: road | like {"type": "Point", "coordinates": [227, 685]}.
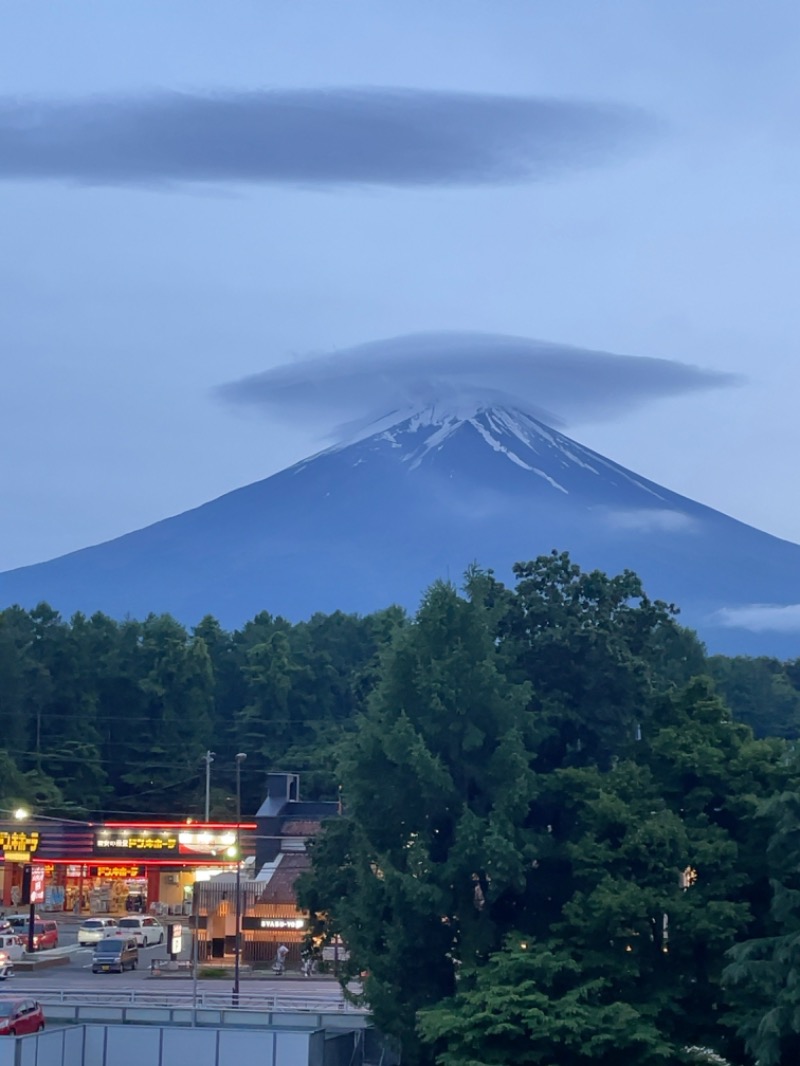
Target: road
{"type": "Point", "coordinates": [76, 974]}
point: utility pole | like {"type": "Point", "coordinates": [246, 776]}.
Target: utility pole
{"type": "Point", "coordinates": [209, 758]}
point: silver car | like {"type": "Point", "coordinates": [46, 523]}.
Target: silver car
{"type": "Point", "coordinates": [144, 930]}
{"type": "Point", "coordinates": [93, 930]}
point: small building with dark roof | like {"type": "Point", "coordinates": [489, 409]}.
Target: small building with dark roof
{"type": "Point", "coordinates": [270, 915]}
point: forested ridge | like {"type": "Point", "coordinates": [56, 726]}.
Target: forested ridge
{"type": "Point", "coordinates": [565, 826]}
{"type": "Point", "coordinates": [100, 716]}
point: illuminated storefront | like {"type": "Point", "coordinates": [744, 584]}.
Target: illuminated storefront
{"type": "Point", "coordinates": [111, 867]}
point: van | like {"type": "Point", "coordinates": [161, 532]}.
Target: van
{"type": "Point", "coordinates": [115, 955]}
{"type": "Point", "coordinates": [45, 930]}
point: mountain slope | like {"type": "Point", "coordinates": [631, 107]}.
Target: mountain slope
{"type": "Point", "coordinates": [373, 522]}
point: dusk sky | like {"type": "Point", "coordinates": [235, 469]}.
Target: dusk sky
{"type": "Point", "coordinates": [229, 229]}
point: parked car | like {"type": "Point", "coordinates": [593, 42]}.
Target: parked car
{"type": "Point", "coordinates": [115, 955]}
{"type": "Point", "coordinates": [6, 966]}
{"type": "Point", "coordinates": [45, 934]}
{"type": "Point", "coordinates": [19, 922]}
{"type": "Point", "coordinates": [93, 930]}
{"type": "Point", "coordinates": [144, 930]}
{"type": "Point", "coordinates": [12, 945]}
{"type": "Point", "coordinates": [20, 1016]}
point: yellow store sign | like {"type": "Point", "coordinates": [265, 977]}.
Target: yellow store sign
{"type": "Point", "coordinates": [18, 846]}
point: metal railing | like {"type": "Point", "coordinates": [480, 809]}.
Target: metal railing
{"type": "Point", "coordinates": [321, 1003]}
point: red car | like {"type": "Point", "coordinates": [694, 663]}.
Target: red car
{"type": "Point", "coordinates": [45, 935]}
{"type": "Point", "coordinates": [20, 1016]}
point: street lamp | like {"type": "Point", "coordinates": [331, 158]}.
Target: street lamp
{"type": "Point", "coordinates": [238, 949]}
{"type": "Point", "coordinates": [21, 814]}
{"type": "Point", "coordinates": [208, 758]}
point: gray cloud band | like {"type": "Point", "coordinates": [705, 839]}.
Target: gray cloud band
{"type": "Point", "coordinates": [313, 137]}
{"type": "Point", "coordinates": [557, 383]}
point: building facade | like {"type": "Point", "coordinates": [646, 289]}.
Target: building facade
{"type": "Point", "coordinates": [270, 915]}
{"type": "Point", "coordinates": [111, 867]}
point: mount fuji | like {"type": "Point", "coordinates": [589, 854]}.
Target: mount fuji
{"type": "Point", "coordinates": [421, 496]}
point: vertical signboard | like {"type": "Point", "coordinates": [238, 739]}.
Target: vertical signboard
{"type": "Point", "coordinates": [174, 939]}
{"type": "Point", "coordinates": [37, 884]}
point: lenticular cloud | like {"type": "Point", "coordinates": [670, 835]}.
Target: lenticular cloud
{"type": "Point", "coordinates": [313, 137]}
{"type": "Point", "coordinates": [555, 382]}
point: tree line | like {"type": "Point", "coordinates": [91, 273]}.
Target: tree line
{"type": "Point", "coordinates": [100, 717]}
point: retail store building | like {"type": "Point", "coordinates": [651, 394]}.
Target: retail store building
{"type": "Point", "coordinates": [111, 867]}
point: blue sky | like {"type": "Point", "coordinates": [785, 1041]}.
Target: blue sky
{"type": "Point", "coordinates": [129, 298]}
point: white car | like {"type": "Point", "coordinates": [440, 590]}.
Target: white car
{"type": "Point", "coordinates": [145, 931]}
{"type": "Point", "coordinates": [93, 930]}
{"type": "Point", "coordinates": [12, 946]}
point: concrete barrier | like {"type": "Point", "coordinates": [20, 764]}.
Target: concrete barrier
{"type": "Point", "coordinates": [40, 962]}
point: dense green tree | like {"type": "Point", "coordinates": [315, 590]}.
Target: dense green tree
{"type": "Point", "coordinates": [533, 1004]}
{"type": "Point", "coordinates": [587, 644]}
{"type": "Point", "coordinates": [764, 971]}
{"type": "Point", "coordinates": [529, 766]}
{"type": "Point", "coordinates": [117, 716]}
{"type": "Point", "coordinates": [762, 692]}
{"type": "Point", "coordinates": [437, 786]}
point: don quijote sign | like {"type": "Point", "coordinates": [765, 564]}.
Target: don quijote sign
{"type": "Point", "coordinates": [18, 846]}
{"type": "Point", "coordinates": [200, 843]}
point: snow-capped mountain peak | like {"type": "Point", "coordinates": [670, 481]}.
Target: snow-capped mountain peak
{"type": "Point", "coordinates": [421, 494]}
{"type": "Point", "coordinates": [445, 433]}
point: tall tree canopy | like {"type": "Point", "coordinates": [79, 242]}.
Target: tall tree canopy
{"type": "Point", "coordinates": [551, 831]}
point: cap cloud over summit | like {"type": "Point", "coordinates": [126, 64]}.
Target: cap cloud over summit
{"type": "Point", "coordinates": [557, 383]}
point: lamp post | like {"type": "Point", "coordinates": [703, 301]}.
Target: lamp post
{"type": "Point", "coordinates": [238, 949]}
{"type": "Point", "coordinates": [21, 814]}
{"type": "Point", "coordinates": [208, 758]}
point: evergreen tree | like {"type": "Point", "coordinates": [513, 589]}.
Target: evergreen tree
{"type": "Point", "coordinates": [764, 971]}
{"type": "Point", "coordinates": [437, 787]}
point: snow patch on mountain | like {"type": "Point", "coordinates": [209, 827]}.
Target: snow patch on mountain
{"type": "Point", "coordinates": [519, 437]}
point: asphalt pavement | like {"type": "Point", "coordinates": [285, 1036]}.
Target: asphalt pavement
{"type": "Point", "coordinates": [76, 972]}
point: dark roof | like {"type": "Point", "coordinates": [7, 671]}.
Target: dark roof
{"type": "Point", "coordinates": [305, 827]}
{"type": "Point", "coordinates": [281, 885]}
{"type": "Point", "coordinates": [281, 808]}
{"type": "Point", "coordinates": [317, 809]}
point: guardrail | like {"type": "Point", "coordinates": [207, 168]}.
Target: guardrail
{"type": "Point", "coordinates": [275, 1002]}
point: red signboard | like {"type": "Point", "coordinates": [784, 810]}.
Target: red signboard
{"type": "Point", "coordinates": [38, 874]}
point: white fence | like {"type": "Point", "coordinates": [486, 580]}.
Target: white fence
{"type": "Point", "coordinates": [276, 1002]}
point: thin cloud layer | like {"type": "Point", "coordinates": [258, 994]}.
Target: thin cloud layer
{"type": "Point", "coordinates": [761, 617]}
{"type": "Point", "coordinates": [651, 521]}
{"type": "Point", "coordinates": [359, 386]}
{"type": "Point", "coordinates": [398, 137]}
